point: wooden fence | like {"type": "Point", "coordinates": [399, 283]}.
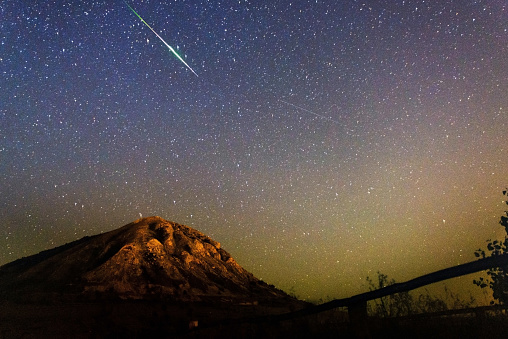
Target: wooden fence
{"type": "Point", "coordinates": [357, 305]}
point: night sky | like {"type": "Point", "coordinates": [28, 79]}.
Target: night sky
{"type": "Point", "coordinates": [320, 142]}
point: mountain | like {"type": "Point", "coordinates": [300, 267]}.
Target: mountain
{"type": "Point", "coordinates": [149, 259]}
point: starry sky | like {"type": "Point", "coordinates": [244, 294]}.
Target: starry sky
{"type": "Point", "coordinates": [319, 142]}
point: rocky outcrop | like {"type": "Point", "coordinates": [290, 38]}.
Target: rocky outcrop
{"type": "Point", "coordinates": [150, 258]}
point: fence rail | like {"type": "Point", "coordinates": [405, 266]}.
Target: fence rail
{"type": "Point", "coordinates": [478, 311]}
{"type": "Point", "coordinates": [357, 305]}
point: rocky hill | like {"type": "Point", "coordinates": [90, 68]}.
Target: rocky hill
{"type": "Point", "coordinates": [149, 259]}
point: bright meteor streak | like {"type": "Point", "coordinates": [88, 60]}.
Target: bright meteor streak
{"type": "Point", "coordinates": [158, 36]}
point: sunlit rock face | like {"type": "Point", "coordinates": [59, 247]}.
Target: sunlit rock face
{"type": "Point", "coordinates": [150, 258]}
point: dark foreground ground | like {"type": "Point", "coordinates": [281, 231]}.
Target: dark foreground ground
{"type": "Point", "coordinates": [152, 319]}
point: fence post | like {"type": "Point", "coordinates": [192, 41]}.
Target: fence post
{"type": "Point", "coordinates": [358, 319]}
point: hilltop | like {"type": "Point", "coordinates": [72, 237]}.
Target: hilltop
{"type": "Point", "coordinates": [149, 259]}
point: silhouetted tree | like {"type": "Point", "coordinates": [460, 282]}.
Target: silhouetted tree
{"type": "Point", "coordinates": [394, 305]}
{"type": "Point", "coordinates": [498, 276]}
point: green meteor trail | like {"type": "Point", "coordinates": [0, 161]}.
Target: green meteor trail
{"type": "Point", "coordinates": [158, 36]}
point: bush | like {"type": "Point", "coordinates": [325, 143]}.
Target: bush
{"type": "Point", "coordinates": [407, 303]}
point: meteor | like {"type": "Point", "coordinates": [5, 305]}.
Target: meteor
{"type": "Point", "coordinates": [306, 110]}
{"type": "Point", "coordinates": [158, 36]}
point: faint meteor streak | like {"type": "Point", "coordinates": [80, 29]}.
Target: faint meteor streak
{"type": "Point", "coordinates": [158, 36]}
{"type": "Point", "coordinates": [306, 110]}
